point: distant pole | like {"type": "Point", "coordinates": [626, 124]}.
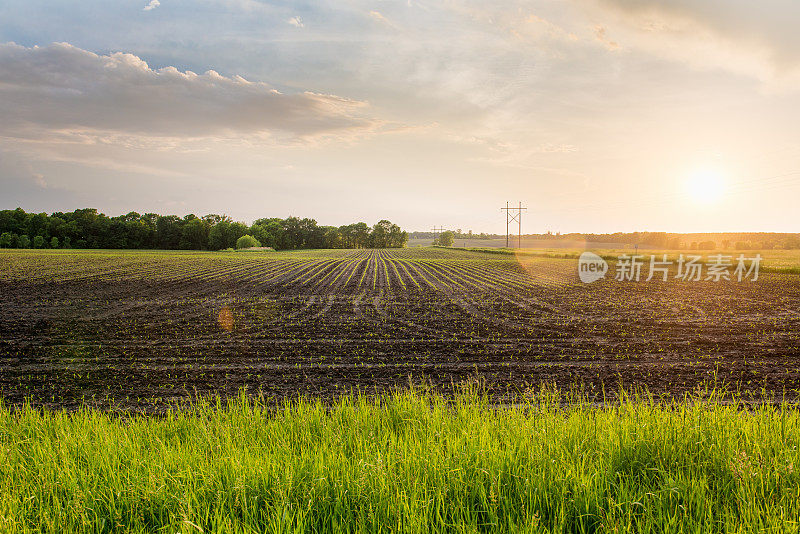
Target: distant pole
{"type": "Point", "coordinates": [507, 221]}
{"type": "Point", "coordinates": [435, 230]}
{"type": "Point", "coordinates": [511, 218]}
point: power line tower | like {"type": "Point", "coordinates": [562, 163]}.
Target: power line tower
{"type": "Point", "coordinates": [512, 218]}
{"type": "Point", "coordinates": [435, 231]}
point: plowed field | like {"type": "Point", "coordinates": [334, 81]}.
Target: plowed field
{"type": "Point", "coordinates": [143, 329]}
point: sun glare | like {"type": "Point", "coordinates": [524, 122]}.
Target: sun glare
{"type": "Point", "coordinates": [705, 186]}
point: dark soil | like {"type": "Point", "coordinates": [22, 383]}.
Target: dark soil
{"type": "Point", "coordinates": [122, 343]}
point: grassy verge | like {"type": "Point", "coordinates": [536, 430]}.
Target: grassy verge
{"type": "Point", "coordinates": [407, 462]}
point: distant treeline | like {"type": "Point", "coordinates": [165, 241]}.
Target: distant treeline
{"type": "Point", "coordinates": [86, 228]}
{"type": "Point", "coordinates": [457, 234]}
{"type": "Point", "coordinates": [701, 241]}
{"type": "Point", "coordinates": [695, 241]}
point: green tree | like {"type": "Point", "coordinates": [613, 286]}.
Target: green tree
{"type": "Point", "coordinates": [247, 241]}
{"type": "Point", "coordinates": [361, 235]}
{"type": "Point", "coordinates": [140, 234]}
{"type": "Point", "coordinates": [274, 227]}
{"type": "Point", "coordinates": [262, 235]}
{"type": "Point", "coordinates": [212, 218]}
{"type": "Point", "coordinates": [57, 225]}
{"type": "Point", "coordinates": [235, 231]}
{"type": "Point", "coordinates": [117, 234]}
{"type": "Point", "coordinates": [194, 234]}
{"type": "Point", "coordinates": [37, 224]}
{"type": "Point", "coordinates": [397, 237]}
{"type": "Point", "coordinates": [346, 233]}
{"type": "Point", "coordinates": [38, 242]}
{"type": "Point", "coordinates": [87, 228]}
{"type": "Point", "coordinates": [313, 235]}
{"type": "Point", "coordinates": [333, 239]}
{"type": "Point", "coordinates": [168, 232]}
{"type": "Point", "coordinates": [445, 239]}
{"type": "Point", "coordinates": [218, 235]}
{"type": "Point", "coordinates": [292, 236]}
{"type": "Point", "coordinates": [380, 234]}
{"type": "Point", "coordinates": [224, 234]}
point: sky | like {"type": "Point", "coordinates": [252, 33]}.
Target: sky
{"type": "Point", "coordinates": [597, 115]}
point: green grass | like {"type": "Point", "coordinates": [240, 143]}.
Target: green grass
{"type": "Point", "coordinates": [410, 462]}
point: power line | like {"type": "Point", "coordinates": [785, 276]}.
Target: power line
{"type": "Point", "coordinates": [435, 231]}
{"type": "Point", "coordinates": [512, 218]}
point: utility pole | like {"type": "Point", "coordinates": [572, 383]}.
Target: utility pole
{"type": "Point", "coordinates": [435, 230]}
{"type": "Point", "coordinates": [508, 212]}
{"type": "Point", "coordinates": [512, 218]}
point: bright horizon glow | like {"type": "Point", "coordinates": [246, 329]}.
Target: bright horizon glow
{"type": "Point", "coordinates": [705, 186]}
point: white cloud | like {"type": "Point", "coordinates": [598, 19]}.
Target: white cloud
{"type": "Point", "coordinates": [297, 22]}
{"type": "Point", "coordinates": [755, 38]}
{"type": "Point", "coordinates": [152, 5]}
{"type": "Point", "coordinates": [601, 34]}
{"type": "Point", "coordinates": [64, 90]}
{"type": "Point", "coordinates": [378, 16]}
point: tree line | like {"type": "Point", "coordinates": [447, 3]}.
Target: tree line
{"type": "Point", "coordinates": [457, 234]}
{"type": "Point", "coordinates": [666, 240]}
{"type": "Point", "coordinates": [696, 241]}
{"type": "Point", "coordinates": [86, 228]}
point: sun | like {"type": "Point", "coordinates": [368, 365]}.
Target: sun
{"type": "Point", "coordinates": [705, 186]}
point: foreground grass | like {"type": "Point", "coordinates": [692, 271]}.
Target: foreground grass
{"type": "Point", "coordinates": [409, 462]}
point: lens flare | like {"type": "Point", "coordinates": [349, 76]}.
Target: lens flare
{"type": "Point", "coordinates": [225, 319]}
{"type": "Point", "coordinates": [539, 265]}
